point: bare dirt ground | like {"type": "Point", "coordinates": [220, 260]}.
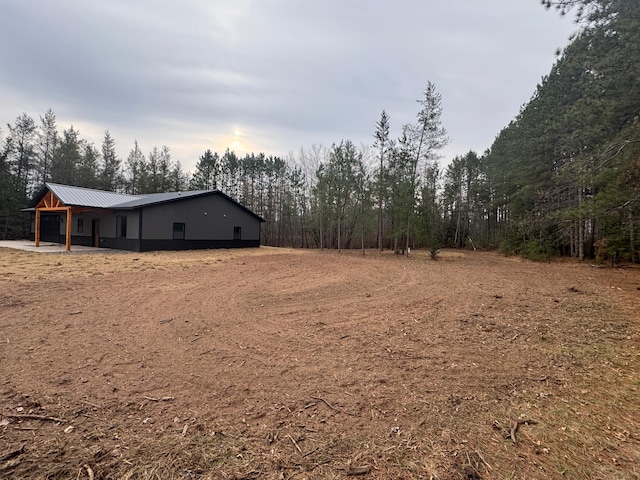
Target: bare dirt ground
{"type": "Point", "coordinates": [281, 364]}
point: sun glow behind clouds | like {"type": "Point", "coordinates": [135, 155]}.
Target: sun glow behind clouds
{"type": "Point", "coordinates": [236, 141]}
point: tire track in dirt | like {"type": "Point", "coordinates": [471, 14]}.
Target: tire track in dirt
{"type": "Point", "coordinates": [309, 361]}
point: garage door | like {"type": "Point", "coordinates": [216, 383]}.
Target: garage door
{"type": "Point", "coordinates": [50, 228]}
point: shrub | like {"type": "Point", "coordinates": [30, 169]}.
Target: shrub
{"type": "Point", "coordinates": [535, 251]}
{"type": "Point", "coordinates": [508, 247]}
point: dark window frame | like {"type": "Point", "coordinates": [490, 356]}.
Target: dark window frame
{"type": "Point", "coordinates": [80, 225]}
{"type": "Point", "coordinates": [179, 233]}
{"type": "Point", "coordinates": [237, 233]}
{"type": "Point", "coordinates": [121, 226]}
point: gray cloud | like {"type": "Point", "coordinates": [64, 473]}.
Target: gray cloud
{"type": "Point", "coordinates": [285, 73]}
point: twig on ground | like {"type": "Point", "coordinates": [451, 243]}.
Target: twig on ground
{"type": "Point", "coordinates": [358, 470]}
{"type": "Point", "coordinates": [89, 471]}
{"type": "Point", "coordinates": [325, 402]}
{"type": "Point", "coordinates": [516, 425]}
{"type": "Point", "coordinates": [310, 452]}
{"type": "Point", "coordinates": [514, 430]}
{"type": "Point", "coordinates": [29, 416]}
{"type": "Point", "coordinates": [160, 399]}
{"type": "Point", "coordinates": [471, 464]}
{"type": "Point", "coordinates": [334, 408]}
{"type": "Point", "coordinates": [294, 442]}
{"type": "Point", "coordinates": [483, 460]}
{"type": "Point", "coordinates": [12, 454]}
{"type": "Point", "coordinates": [316, 465]}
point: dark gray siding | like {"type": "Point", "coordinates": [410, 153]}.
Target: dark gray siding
{"type": "Point", "coordinates": [108, 237]}
{"type": "Point", "coordinates": [108, 224]}
{"type": "Point", "coordinates": [132, 244]}
{"type": "Point", "coordinates": [148, 245]}
{"type": "Point", "coordinates": [206, 218]}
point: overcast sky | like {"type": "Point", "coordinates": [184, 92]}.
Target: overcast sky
{"type": "Point", "coordinates": [271, 75]}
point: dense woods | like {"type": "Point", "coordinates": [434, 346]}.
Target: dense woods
{"type": "Point", "coordinates": [563, 178]}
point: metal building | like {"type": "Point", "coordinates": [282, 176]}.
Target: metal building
{"type": "Point", "coordinates": [158, 221]}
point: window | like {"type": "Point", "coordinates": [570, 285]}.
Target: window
{"type": "Point", "coordinates": [80, 225]}
{"type": "Point", "coordinates": [121, 226]}
{"type": "Point", "coordinates": [237, 233]}
{"type": "Point", "coordinates": [178, 231]}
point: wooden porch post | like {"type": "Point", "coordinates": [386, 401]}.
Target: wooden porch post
{"type": "Point", "coordinates": [68, 235]}
{"type": "Point", "coordinates": [37, 227]}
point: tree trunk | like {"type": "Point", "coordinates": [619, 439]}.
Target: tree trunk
{"type": "Point", "coordinates": [380, 193]}
{"type": "Point", "coordinates": [632, 242]}
{"type": "Point", "coordinates": [380, 226]}
{"type": "Point", "coordinates": [407, 244]}
{"type": "Point", "coordinates": [580, 227]}
{"type": "Point", "coordinates": [457, 240]}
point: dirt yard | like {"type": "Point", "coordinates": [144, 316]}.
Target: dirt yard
{"type": "Point", "coordinates": [282, 364]}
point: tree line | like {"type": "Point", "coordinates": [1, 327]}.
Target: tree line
{"type": "Point", "coordinates": [563, 178]}
{"type": "Point", "coordinates": [321, 197]}
{"type": "Point", "coordinates": [565, 173]}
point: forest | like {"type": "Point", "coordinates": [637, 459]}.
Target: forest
{"type": "Point", "coordinates": [561, 179]}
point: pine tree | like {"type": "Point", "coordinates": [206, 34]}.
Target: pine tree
{"type": "Point", "coordinates": [427, 137]}
{"type": "Point", "coordinates": [67, 158]}
{"type": "Point", "coordinates": [48, 141]}
{"type": "Point", "coordinates": [136, 178]}
{"type": "Point", "coordinates": [87, 171]}
{"type": "Point", "coordinates": [207, 173]}
{"type": "Point", "coordinates": [179, 180]}
{"type": "Point", "coordinates": [382, 142]}
{"type": "Point", "coordinates": [22, 156]}
{"type": "Point", "coordinates": [110, 176]}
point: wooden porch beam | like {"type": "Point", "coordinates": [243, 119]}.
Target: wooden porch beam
{"type": "Point", "coordinates": [68, 235]}
{"type": "Point", "coordinates": [37, 227]}
{"type": "Point", "coordinates": [69, 213]}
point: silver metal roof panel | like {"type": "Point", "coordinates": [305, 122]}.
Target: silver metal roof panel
{"type": "Point", "coordinates": [88, 197]}
{"type": "Point", "coordinates": [153, 198]}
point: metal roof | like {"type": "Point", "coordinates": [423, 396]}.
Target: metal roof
{"type": "Point", "coordinates": [153, 198]}
{"type": "Point", "coordinates": [89, 197]}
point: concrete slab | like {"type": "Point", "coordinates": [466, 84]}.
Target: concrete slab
{"type": "Point", "coordinates": [46, 247]}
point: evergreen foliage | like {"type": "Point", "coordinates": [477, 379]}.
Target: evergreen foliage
{"type": "Point", "coordinates": [564, 172]}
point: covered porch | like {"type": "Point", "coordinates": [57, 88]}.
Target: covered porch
{"type": "Point", "coordinates": [51, 204]}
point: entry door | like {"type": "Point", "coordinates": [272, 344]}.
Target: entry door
{"type": "Point", "coordinates": [95, 232]}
